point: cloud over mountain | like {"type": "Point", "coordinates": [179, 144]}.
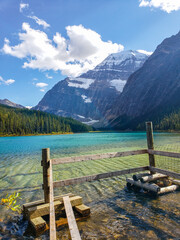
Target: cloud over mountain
{"type": "Point", "coordinates": [82, 50]}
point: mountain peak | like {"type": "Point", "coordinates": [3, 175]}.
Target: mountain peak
{"type": "Point", "coordinates": [10, 104]}
{"type": "Point", "coordinates": [87, 97]}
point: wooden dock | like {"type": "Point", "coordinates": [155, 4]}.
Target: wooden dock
{"type": "Point", "coordinates": [55, 206]}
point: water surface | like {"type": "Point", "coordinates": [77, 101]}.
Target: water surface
{"type": "Point", "coordinates": [115, 212]}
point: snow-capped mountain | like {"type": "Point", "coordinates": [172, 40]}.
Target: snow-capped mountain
{"type": "Point", "coordinates": [87, 97]}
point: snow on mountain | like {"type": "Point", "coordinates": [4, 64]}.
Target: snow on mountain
{"type": "Point", "coordinates": [118, 84]}
{"type": "Point", "coordinates": [80, 82]}
{"type": "Point", "coordinates": [87, 97]}
{"type": "Point", "coordinates": [123, 58]}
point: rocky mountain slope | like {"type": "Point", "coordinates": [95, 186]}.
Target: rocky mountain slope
{"type": "Point", "coordinates": [153, 90]}
{"type": "Point", "coordinates": [87, 97]}
{"type": "Point", "coordinates": [10, 104]}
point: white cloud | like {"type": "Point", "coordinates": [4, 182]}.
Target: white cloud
{"type": "Point", "coordinates": [6, 82]}
{"type": "Point", "coordinates": [145, 52]}
{"type": "Point", "coordinates": [165, 5]}
{"type": "Point", "coordinates": [40, 22]}
{"type": "Point", "coordinates": [22, 6]}
{"type": "Point", "coordinates": [49, 77]}
{"type": "Point", "coordinates": [41, 84]}
{"type": "Point", "coordinates": [81, 51]}
{"type": "Point", "coordinates": [35, 79]}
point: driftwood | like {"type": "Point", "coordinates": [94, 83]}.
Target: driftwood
{"type": "Point", "coordinates": [166, 172]}
{"type": "Point", "coordinates": [150, 187]}
{"type": "Point", "coordinates": [168, 189]}
{"type": "Point", "coordinates": [176, 182]}
{"type": "Point", "coordinates": [152, 177]}
{"type": "Point", "coordinates": [137, 177]}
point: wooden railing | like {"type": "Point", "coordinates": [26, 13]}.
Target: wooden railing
{"type": "Point", "coordinates": [47, 163]}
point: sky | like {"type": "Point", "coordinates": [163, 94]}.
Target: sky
{"type": "Point", "coordinates": [43, 41]}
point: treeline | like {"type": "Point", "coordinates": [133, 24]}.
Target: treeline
{"type": "Point", "coordinates": [164, 120]}
{"type": "Point", "coordinates": [169, 122]}
{"type": "Point", "coordinates": [14, 121]}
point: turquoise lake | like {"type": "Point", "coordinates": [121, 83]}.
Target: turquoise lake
{"type": "Point", "coordinates": [115, 212]}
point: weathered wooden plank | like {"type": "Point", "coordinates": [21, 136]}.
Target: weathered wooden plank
{"type": "Point", "coordinates": [168, 189]}
{"type": "Point", "coordinates": [166, 172]}
{"type": "Point", "coordinates": [45, 164]}
{"type": "Point", "coordinates": [98, 176]}
{"type": "Point", "coordinates": [83, 209]}
{"type": "Point", "coordinates": [51, 205]}
{"type": "Point", "coordinates": [150, 142]}
{"type": "Point", "coordinates": [97, 156]}
{"type": "Point", "coordinates": [40, 202]}
{"type": "Point", "coordinates": [38, 223]}
{"type": "Point", "coordinates": [165, 154]}
{"type": "Point", "coordinates": [71, 220]}
{"type": "Point", "coordinates": [43, 210]}
{"type": "Point", "coordinates": [147, 186]}
{"type": "Point", "coordinates": [152, 177]}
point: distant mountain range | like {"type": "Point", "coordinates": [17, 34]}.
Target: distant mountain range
{"type": "Point", "coordinates": [88, 97]}
{"type": "Point", "coordinates": [11, 104]}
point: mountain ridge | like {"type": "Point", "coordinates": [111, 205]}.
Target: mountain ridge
{"type": "Point", "coordinates": [87, 97]}
{"type": "Point", "coordinates": [9, 103]}
{"type": "Point", "coordinates": [151, 90]}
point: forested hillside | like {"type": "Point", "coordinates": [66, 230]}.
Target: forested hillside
{"type": "Point", "coordinates": [14, 121]}
{"type": "Point", "coordinates": [169, 122]}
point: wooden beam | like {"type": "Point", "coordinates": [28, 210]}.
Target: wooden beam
{"type": "Point", "coordinates": [98, 176]}
{"type": "Point", "coordinates": [43, 209]}
{"type": "Point", "coordinates": [71, 220]}
{"type": "Point", "coordinates": [97, 156]}
{"type": "Point", "coordinates": [165, 154]}
{"type": "Point", "coordinates": [40, 202]}
{"type": "Point", "coordinates": [166, 172]}
{"type": "Point", "coordinates": [38, 224]}
{"type": "Point", "coordinates": [51, 205]}
{"type": "Point", "coordinates": [150, 142]}
{"type": "Point", "coordinates": [83, 210]}
{"type": "Point", "coordinates": [45, 164]}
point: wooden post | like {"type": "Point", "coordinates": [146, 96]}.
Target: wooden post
{"type": "Point", "coordinates": [46, 173]}
{"type": "Point", "coordinates": [52, 218]}
{"type": "Point", "coordinates": [150, 142]}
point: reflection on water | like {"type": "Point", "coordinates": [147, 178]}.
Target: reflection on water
{"type": "Point", "coordinates": [115, 212]}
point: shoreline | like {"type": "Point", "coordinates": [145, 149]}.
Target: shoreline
{"type": "Point", "coordinates": [67, 133]}
{"type": "Point", "coordinates": [38, 134]}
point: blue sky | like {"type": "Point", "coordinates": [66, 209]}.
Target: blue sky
{"type": "Point", "coordinates": [44, 41]}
